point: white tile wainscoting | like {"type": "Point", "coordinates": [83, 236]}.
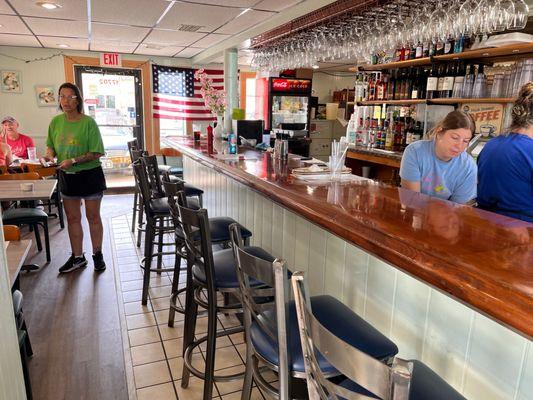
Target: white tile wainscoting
{"type": "Point", "coordinates": [479, 357]}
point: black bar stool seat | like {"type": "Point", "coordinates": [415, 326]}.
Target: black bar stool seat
{"type": "Point", "coordinates": [189, 189]}
{"type": "Point", "coordinates": [160, 206]}
{"type": "Point", "coordinates": [340, 319]}
{"type": "Point", "coordinates": [172, 170]}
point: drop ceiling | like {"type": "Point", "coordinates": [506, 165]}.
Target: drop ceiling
{"type": "Point", "coordinates": [170, 28]}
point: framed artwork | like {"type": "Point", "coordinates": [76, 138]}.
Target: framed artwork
{"type": "Point", "coordinates": [11, 81]}
{"type": "Point", "coordinates": [46, 95]}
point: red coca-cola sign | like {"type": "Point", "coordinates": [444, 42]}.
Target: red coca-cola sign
{"type": "Point", "coordinates": [291, 85]}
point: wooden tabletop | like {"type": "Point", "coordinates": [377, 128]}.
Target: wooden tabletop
{"type": "Point", "coordinates": [16, 253]}
{"type": "Point", "coordinates": [481, 258]}
{"type": "Point", "coordinates": [42, 190]}
{"type": "Point", "coordinates": [385, 157]}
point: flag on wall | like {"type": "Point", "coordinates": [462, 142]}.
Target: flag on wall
{"type": "Point", "coordinates": [176, 94]}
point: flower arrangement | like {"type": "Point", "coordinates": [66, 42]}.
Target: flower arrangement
{"type": "Point", "coordinates": [214, 99]}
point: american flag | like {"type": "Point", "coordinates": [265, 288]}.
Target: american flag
{"type": "Point", "coordinates": [176, 94]}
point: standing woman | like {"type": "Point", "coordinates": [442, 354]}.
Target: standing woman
{"type": "Point", "coordinates": [506, 164]}
{"type": "Point", "coordinates": [74, 138]}
{"type": "Point", "coordinates": [440, 167]}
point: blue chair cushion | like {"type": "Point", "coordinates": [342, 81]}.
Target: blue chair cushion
{"type": "Point", "coordinates": [425, 385]}
{"type": "Point", "coordinates": [336, 317]}
{"type": "Point", "coordinates": [225, 269]}
{"type": "Point", "coordinates": [170, 169]}
{"type": "Point", "coordinates": [15, 216]}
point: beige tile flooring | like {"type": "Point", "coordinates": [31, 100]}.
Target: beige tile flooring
{"type": "Point", "coordinates": [152, 349]}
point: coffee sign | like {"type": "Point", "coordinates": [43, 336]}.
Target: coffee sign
{"type": "Point", "coordinates": [488, 117]}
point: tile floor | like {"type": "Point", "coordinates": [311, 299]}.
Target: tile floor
{"type": "Point", "coordinates": [152, 349]}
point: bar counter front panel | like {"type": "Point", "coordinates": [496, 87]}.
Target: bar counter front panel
{"type": "Point", "coordinates": [477, 355]}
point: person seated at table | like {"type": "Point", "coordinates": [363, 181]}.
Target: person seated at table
{"type": "Point", "coordinates": [6, 157]}
{"type": "Point", "coordinates": [18, 142]}
{"type": "Point", "coordinates": [440, 167]}
{"type": "Point", "coordinates": [506, 164]}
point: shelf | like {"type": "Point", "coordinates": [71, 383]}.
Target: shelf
{"type": "Point", "coordinates": [450, 101]}
{"type": "Point", "coordinates": [502, 53]}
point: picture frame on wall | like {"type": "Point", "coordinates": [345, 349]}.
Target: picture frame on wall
{"type": "Point", "coordinates": [46, 95]}
{"type": "Point", "coordinates": [11, 81]}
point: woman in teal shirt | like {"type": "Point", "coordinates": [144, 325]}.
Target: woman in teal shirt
{"type": "Point", "coordinates": [74, 138]}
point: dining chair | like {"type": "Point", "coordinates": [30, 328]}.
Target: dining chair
{"type": "Point", "coordinates": [271, 325]}
{"type": "Point", "coordinates": [32, 217]}
{"type": "Point", "coordinates": [365, 377]}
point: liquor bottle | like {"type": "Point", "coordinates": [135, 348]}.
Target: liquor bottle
{"type": "Point", "coordinates": [412, 54]}
{"type": "Point", "coordinates": [397, 141]}
{"type": "Point", "coordinates": [425, 48]}
{"type": "Point", "coordinates": [232, 141]}
{"type": "Point", "coordinates": [432, 48]}
{"type": "Point", "coordinates": [384, 130]}
{"type": "Point", "coordinates": [379, 88]}
{"type": "Point", "coordinates": [398, 54]}
{"type": "Point", "coordinates": [419, 51]}
{"type": "Point", "coordinates": [423, 77]}
{"type": "Point", "coordinates": [458, 84]}
{"type": "Point", "coordinates": [449, 45]}
{"type": "Point", "coordinates": [432, 83]}
{"type": "Point", "coordinates": [418, 131]}
{"type": "Point", "coordinates": [440, 82]}
{"type": "Point", "coordinates": [415, 85]}
{"type": "Point", "coordinates": [449, 79]}
{"type": "Point", "coordinates": [385, 87]}
{"type": "Point", "coordinates": [469, 82]}
{"type": "Point", "coordinates": [459, 44]}
{"type": "Point", "coordinates": [403, 143]}
{"type": "Point", "coordinates": [371, 88]}
{"type": "Point", "coordinates": [480, 83]}
{"type": "Point", "coordinates": [390, 86]}
{"type": "Point", "coordinates": [439, 47]}
{"type": "Point", "coordinates": [389, 136]}
{"type": "Point", "coordinates": [408, 83]}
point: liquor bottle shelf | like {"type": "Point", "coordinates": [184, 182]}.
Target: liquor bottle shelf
{"type": "Point", "coordinates": [503, 53]}
{"type": "Point", "coordinates": [450, 101]}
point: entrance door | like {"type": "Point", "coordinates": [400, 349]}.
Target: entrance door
{"type": "Point", "coordinates": [113, 97]}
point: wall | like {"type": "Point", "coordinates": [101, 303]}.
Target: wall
{"type": "Point", "coordinates": [325, 83]}
{"type": "Point", "coordinates": [34, 120]}
{"type": "Point", "coordinates": [476, 355]}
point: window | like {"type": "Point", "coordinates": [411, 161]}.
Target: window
{"type": "Point", "coordinates": [250, 98]}
{"type": "Point", "coordinates": [172, 127]}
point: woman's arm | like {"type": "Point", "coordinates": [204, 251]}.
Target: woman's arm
{"type": "Point", "coordinates": [8, 154]}
{"type": "Point", "coordinates": [90, 156]}
{"type": "Point", "coordinates": [414, 186]}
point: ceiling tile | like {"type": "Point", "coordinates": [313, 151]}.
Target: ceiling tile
{"type": "Point", "coordinates": [111, 46]}
{"type": "Point", "coordinates": [57, 27]}
{"type": "Point", "coordinates": [118, 32]}
{"type": "Point", "coordinates": [18, 40]}
{"type": "Point", "coordinates": [174, 38]}
{"type": "Point", "coordinates": [210, 40]}
{"type": "Point", "coordinates": [70, 9]}
{"type": "Point", "coordinates": [188, 52]}
{"type": "Point", "coordinates": [275, 5]}
{"type": "Point", "coordinates": [245, 21]}
{"type": "Point", "coordinates": [129, 12]}
{"type": "Point", "coordinates": [228, 3]}
{"type": "Point", "coordinates": [13, 24]}
{"type": "Point", "coordinates": [5, 9]}
{"type": "Point", "coordinates": [208, 17]}
{"type": "Point", "coordinates": [73, 44]}
{"type": "Point", "coordinates": [153, 50]}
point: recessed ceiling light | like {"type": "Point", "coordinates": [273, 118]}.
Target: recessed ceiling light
{"type": "Point", "coordinates": [243, 12]}
{"type": "Point", "coordinates": [316, 67]}
{"type": "Point", "coordinates": [153, 47]}
{"type": "Point", "coordinates": [63, 45]}
{"type": "Point", "coordinates": [48, 5]}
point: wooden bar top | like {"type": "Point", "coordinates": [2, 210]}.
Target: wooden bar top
{"type": "Point", "coordinates": [483, 259]}
{"type": "Point", "coordinates": [385, 157]}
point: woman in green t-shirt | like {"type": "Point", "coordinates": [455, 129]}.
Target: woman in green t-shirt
{"type": "Point", "coordinates": [74, 138]}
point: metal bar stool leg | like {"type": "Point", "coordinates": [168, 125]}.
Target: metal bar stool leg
{"type": "Point", "coordinates": [191, 313]}
{"type": "Point", "coordinates": [37, 236]}
{"type": "Point", "coordinates": [174, 291]}
{"type": "Point", "coordinates": [148, 251]}
{"type": "Point", "coordinates": [134, 217]}
{"type": "Point", "coordinates": [160, 237]}
{"type": "Point", "coordinates": [140, 224]}
{"type": "Point", "coordinates": [46, 241]}
{"type": "Point", "coordinates": [211, 344]}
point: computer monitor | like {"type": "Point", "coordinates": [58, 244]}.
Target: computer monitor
{"type": "Point", "coordinates": [249, 129]}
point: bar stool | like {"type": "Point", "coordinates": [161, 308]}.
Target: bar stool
{"type": "Point", "coordinates": [366, 376]}
{"type": "Point", "coordinates": [26, 350]}
{"type": "Point", "coordinates": [270, 324]}
{"type": "Point", "coordinates": [137, 204]}
{"type": "Point", "coordinates": [208, 273]}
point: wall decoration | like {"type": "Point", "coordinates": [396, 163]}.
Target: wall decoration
{"type": "Point", "coordinates": [46, 95]}
{"type": "Point", "coordinates": [11, 81]}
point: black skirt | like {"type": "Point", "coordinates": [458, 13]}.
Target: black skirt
{"type": "Point", "coordinates": [82, 183]}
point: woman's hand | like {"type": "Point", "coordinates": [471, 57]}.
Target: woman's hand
{"type": "Point", "coordinates": [66, 164]}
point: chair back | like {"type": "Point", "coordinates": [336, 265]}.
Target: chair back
{"type": "Point", "coordinates": [137, 154]}
{"type": "Point", "coordinates": [30, 176]}
{"type": "Point", "coordinates": [152, 173]}
{"type": "Point", "coordinates": [388, 383]}
{"type": "Point", "coordinates": [271, 316]}
{"type": "Point", "coordinates": [141, 181]}
{"type": "Point", "coordinates": [133, 145]}
{"type": "Point", "coordinates": [11, 233]}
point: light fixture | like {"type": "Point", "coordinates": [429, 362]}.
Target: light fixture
{"type": "Point", "coordinates": [243, 12]}
{"type": "Point", "coordinates": [48, 5]}
{"type": "Point", "coordinates": [316, 67]}
{"type": "Point", "coordinates": [62, 45]}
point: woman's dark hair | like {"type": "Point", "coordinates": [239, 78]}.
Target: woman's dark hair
{"type": "Point", "coordinates": [76, 90]}
{"type": "Point", "coordinates": [522, 111]}
{"type": "Point", "coordinates": [454, 120]}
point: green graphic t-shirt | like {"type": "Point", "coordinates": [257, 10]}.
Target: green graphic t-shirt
{"type": "Point", "coordinates": [74, 139]}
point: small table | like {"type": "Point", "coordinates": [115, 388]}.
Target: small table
{"type": "Point", "coordinates": [16, 252]}
{"type": "Point", "coordinates": [42, 190]}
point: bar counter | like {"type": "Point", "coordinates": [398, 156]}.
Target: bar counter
{"type": "Point", "coordinates": [446, 266]}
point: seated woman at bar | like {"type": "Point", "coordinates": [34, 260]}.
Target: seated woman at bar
{"type": "Point", "coordinates": [440, 167]}
{"type": "Point", "coordinates": [18, 142]}
{"type": "Point", "coordinates": [506, 164]}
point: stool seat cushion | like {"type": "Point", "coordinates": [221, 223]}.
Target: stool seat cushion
{"type": "Point", "coordinates": [425, 384]}
{"type": "Point", "coordinates": [336, 317]}
{"type": "Point", "coordinates": [160, 206]}
{"type": "Point", "coordinates": [219, 227]}
{"type": "Point", "coordinates": [225, 268]}
{"type": "Point", "coordinates": [16, 216]}
{"type": "Point", "coordinates": [190, 190]}
{"type": "Point", "coordinates": [170, 169]}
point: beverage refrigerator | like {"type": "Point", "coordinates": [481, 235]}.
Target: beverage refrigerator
{"type": "Point", "coordinates": [289, 104]}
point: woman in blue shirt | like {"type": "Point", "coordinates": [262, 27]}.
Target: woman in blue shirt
{"type": "Point", "coordinates": [440, 167]}
{"type": "Point", "coordinates": [506, 164]}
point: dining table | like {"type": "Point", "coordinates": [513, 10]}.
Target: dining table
{"type": "Point", "coordinates": [16, 252]}
{"type": "Point", "coordinates": [12, 190]}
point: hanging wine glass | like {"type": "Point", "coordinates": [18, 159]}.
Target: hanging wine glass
{"type": "Point", "coordinates": [519, 19]}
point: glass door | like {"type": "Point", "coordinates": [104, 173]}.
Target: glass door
{"type": "Point", "coordinates": [113, 97]}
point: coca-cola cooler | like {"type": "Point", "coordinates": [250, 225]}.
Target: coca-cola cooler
{"type": "Point", "coordinates": [289, 104]}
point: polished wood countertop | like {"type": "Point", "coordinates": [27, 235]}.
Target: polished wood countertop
{"type": "Point", "coordinates": [385, 157]}
{"type": "Point", "coordinates": [482, 259]}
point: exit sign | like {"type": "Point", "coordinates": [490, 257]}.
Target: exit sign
{"type": "Point", "coordinates": [110, 59]}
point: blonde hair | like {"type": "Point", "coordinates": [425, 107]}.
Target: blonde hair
{"type": "Point", "coordinates": [454, 120]}
{"type": "Point", "coordinates": [522, 111]}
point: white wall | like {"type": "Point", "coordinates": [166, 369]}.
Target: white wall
{"type": "Point", "coordinates": [324, 84]}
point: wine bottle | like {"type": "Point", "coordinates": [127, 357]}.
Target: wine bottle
{"type": "Point", "coordinates": [449, 80]}
{"type": "Point", "coordinates": [432, 83]}
{"type": "Point", "coordinates": [468, 85]}
{"type": "Point", "coordinates": [440, 80]}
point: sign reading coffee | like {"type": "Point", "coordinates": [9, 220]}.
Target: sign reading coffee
{"type": "Point", "coordinates": [488, 117]}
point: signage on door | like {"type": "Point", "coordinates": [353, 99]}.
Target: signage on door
{"type": "Point", "coordinates": [110, 60]}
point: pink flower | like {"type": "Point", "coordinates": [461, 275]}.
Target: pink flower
{"type": "Point", "coordinates": [214, 99]}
